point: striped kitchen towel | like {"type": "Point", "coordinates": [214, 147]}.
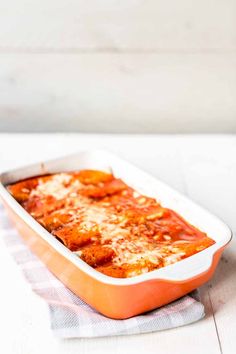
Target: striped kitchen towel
{"type": "Point", "coordinates": [70, 317]}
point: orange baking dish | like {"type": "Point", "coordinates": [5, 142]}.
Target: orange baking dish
{"type": "Point", "coordinates": [112, 296]}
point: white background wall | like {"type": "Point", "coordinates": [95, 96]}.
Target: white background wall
{"type": "Point", "coordinates": [118, 66]}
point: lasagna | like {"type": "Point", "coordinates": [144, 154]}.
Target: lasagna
{"type": "Point", "coordinates": [108, 224]}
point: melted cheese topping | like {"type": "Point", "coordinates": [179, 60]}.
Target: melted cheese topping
{"type": "Point", "coordinates": [58, 186]}
{"type": "Point", "coordinates": [107, 223]}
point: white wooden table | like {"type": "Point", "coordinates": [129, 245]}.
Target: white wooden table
{"type": "Point", "coordinates": [204, 168]}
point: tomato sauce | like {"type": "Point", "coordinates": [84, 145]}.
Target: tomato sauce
{"type": "Point", "coordinates": [108, 224]}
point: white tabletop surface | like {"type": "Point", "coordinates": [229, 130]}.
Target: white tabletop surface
{"type": "Point", "coordinates": [201, 166]}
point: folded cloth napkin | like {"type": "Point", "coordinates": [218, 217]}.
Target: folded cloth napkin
{"type": "Point", "coordinates": [70, 317]}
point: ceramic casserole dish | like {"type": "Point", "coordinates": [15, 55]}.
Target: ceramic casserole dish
{"type": "Point", "coordinates": [118, 298]}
